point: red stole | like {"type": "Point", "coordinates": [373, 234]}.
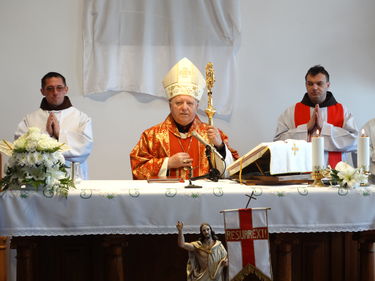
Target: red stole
{"type": "Point", "coordinates": [188, 145]}
{"type": "Point", "coordinates": [335, 116]}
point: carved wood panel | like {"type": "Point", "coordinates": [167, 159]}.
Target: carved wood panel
{"type": "Point", "coordinates": [295, 257]}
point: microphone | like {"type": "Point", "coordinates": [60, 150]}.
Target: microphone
{"type": "Point", "coordinates": [202, 140]}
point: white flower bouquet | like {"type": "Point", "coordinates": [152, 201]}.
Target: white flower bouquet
{"type": "Point", "coordinates": [36, 160]}
{"type": "Point", "coordinates": [345, 175]}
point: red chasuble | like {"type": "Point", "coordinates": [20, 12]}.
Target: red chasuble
{"type": "Point", "coordinates": [335, 116]}
{"type": "Point", "coordinates": [190, 146]}
{"type": "Point", "coordinates": [163, 140]}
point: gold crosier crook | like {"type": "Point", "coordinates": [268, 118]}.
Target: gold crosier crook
{"type": "Point", "coordinates": [210, 110]}
{"type": "Point", "coordinates": [210, 80]}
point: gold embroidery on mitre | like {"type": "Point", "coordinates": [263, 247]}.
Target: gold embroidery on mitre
{"type": "Point", "coordinates": [184, 78]}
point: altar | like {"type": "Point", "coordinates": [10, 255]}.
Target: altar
{"type": "Point", "coordinates": [309, 226]}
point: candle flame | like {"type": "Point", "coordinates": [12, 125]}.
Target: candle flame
{"type": "Point", "coordinates": [317, 133]}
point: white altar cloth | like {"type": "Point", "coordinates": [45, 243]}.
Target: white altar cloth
{"type": "Point", "coordinates": [138, 207]}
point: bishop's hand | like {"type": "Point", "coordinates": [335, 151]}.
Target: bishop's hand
{"type": "Point", "coordinates": [214, 137]}
{"type": "Point", "coordinates": [180, 159]}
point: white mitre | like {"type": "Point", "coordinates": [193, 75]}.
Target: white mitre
{"type": "Point", "coordinates": [184, 79]}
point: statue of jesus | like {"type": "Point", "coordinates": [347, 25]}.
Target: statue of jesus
{"type": "Point", "coordinates": [207, 256]}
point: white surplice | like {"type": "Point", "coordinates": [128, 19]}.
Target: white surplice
{"type": "Point", "coordinates": [335, 138]}
{"type": "Point", "coordinates": [75, 131]}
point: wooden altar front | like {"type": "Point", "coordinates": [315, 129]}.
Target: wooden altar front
{"type": "Point", "coordinates": [303, 256]}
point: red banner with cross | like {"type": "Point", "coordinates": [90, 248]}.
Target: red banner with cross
{"type": "Point", "coordinates": [246, 234]}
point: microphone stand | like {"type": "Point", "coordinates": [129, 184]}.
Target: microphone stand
{"type": "Point", "coordinates": [213, 173]}
{"type": "Point", "coordinates": [191, 185]}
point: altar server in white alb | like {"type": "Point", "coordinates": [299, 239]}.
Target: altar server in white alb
{"type": "Point", "coordinates": [319, 111]}
{"type": "Point", "coordinates": [62, 121]}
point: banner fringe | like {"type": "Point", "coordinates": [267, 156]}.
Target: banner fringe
{"type": "Point", "coordinates": [250, 269]}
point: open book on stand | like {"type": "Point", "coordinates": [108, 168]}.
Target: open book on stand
{"type": "Point", "coordinates": [280, 162]}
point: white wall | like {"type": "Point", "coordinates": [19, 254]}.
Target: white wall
{"type": "Point", "coordinates": [280, 41]}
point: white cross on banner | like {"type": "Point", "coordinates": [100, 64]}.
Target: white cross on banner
{"type": "Point", "coordinates": [246, 234]}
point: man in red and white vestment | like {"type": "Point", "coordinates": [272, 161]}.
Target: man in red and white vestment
{"type": "Point", "coordinates": [169, 149]}
{"type": "Point", "coordinates": [320, 112]}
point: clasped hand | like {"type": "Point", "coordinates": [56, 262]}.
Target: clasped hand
{"type": "Point", "coordinates": [316, 121]}
{"type": "Point", "coordinates": [52, 126]}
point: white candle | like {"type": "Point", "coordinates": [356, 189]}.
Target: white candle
{"type": "Point", "coordinates": [363, 153]}
{"type": "Point", "coordinates": [317, 152]}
